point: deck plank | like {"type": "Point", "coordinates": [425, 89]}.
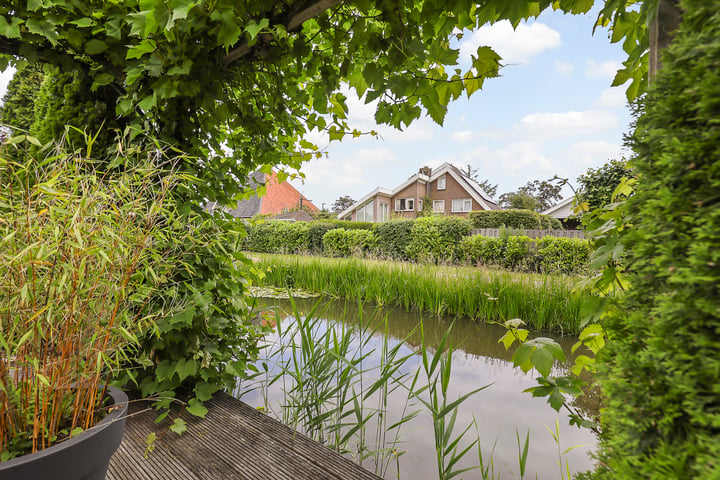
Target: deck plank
{"type": "Point", "coordinates": [233, 441]}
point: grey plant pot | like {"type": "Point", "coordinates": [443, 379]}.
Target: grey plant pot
{"type": "Point", "coordinates": [84, 457]}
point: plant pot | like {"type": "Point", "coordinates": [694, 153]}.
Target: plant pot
{"type": "Point", "coordinates": [83, 457]}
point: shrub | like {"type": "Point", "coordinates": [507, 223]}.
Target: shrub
{"type": "Point", "coordinates": [316, 232]}
{"type": "Point", "coordinates": [518, 219]}
{"type": "Point", "coordinates": [483, 250]}
{"type": "Point", "coordinates": [437, 238]}
{"type": "Point", "coordinates": [518, 251]}
{"type": "Point", "coordinates": [339, 242]}
{"type": "Point", "coordinates": [660, 367]}
{"type": "Point", "coordinates": [277, 236]}
{"type": "Point", "coordinates": [563, 255]}
{"type": "Point", "coordinates": [393, 237]}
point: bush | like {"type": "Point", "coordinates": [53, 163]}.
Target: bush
{"type": "Point", "coordinates": [563, 255]}
{"type": "Point", "coordinates": [277, 236]}
{"type": "Point", "coordinates": [478, 249]}
{"type": "Point", "coordinates": [659, 369]}
{"type": "Point", "coordinates": [316, 232]}
{"type": "Point", "coordinates": [518, 251]}
{"type": "Point", "coordinates": [339, 242]}
{"type": "Point", "coordinates": [393, 237]}
{"type": "Point", "coordinates": [437, 238]}
{"type": "Point", "coordinates": [518, 219]}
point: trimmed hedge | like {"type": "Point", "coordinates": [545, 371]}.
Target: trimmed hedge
{"type": "Point", "coordinates": [544, 255]}
{"type": "Point", "coordinates": [660, 368]}
{"type": "Point", "coordinates": [393, 237]}
{"type": "Point", "coordinates": [436, 239]}
{"type": "Point", "coordinates": [340, 242]}
{"type": "Point", "coordinates": [426, 239]}
{"type": "Point", "coordinates": [516, 218]}
{"type": "Point", "coordinates": [278, 236]}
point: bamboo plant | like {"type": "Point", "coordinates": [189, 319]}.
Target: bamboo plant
{"type": "Point", "coordinates": [76, 255]}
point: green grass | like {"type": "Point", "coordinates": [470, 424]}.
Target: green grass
{"type": "Point", "coordinates": [544, 302]}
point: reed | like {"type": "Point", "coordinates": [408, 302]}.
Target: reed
{"type": "Point", "coordinates": [544, 302]}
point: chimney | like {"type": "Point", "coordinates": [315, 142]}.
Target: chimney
{"type": "Point", "coordinates": [427, 171]}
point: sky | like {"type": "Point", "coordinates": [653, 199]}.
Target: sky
{"type": "Point", "coordinates": [551, 112]}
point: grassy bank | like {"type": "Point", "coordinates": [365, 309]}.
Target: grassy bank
{"type": "Point", "coordinates": [544, 302]}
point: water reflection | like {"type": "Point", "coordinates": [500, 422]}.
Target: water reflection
{"type": "Point", "coordinates": [500, 411]}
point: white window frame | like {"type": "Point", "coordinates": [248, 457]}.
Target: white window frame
{"type": "Point", "coordinates": [438, 206]}
{"type": "Point", "coordinates": [363, 209]}
{"type": "Point", "coordinates": [466, 205]}
{"type": "Point", "coordinates": [383, 212]}
{"type": "Point", "coordinates": [420, 204]}
{"type": "Point", "coordinates": [441, 183]}
{"type": "Point", "coordinates": [409, 204]}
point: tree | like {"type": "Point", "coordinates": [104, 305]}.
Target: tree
{"type": "Point", "coordinates": [342, 203]}
{"type": "Point", "coordinates": [257, 77]}
{"type": "Point", "coordinates": [519, 200]}
{"type": "Point", "coordinates": [535, 195]}
{"type": "Point", "coordinates": [18, 108]}
{"type": "Point", "coordinates": [597, 185]}
{"type": "Point", "coordinates": [472, 174]}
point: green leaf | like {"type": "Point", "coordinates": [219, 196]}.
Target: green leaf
{"type": "Point", "coordinates": [10, 30]}
{"type": "Point", "coordinates": [43, 28]}
{"type": "Point", "coordinates": [186, 368]}
{"type": "Point", "coordinates": [95, 46]}
{"type": "Point", "coordinates": [136, 51]}
{"type": "Point", "coordinates": [181, 8]}
{"type": "Point", "coordinates": [204, 390]}
{"type": "Point", "coordinates": [196, 408]}
{"type": "Point", "coordinates": [253, 29]}
{"type": "Point", "coordinates": [179, 426]}
{"type": "Point", "coordinates": [83, 22]}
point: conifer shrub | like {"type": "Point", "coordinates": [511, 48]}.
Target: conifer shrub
{"type": "Point", "coordinates": [659, 369]}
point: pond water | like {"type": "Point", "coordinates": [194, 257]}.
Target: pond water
{"type": "Point", "coordinates": [497, 415]}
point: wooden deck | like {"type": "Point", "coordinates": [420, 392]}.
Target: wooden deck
{"type": "Point", "coordinates": [233, 441]}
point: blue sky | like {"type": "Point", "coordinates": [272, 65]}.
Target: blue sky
{"type": "Point", "coordinates": [552, 111]}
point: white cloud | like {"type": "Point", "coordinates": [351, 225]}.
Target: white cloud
{"type": "Point", "coordinates": [612, 97]}
{"type": "Point", "coordinates": [592, 153]}
{"type": "Point", "coordinates": [354, 170]}
{"type": "Point", "coordinates": [564, 69]}
{"type": "Point", "coordinates": [605, 70]}
{"type": "Point", "coordinates": [463, 136]}
{"type": "Point", "coordinates": [564, 123]}
{"type": "Point", "coordinates": [514, 46]}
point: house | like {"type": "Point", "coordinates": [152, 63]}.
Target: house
{"type": "Point", "coordinates": [563, 211]}
{"type": "Point", "coordinates": [281, 199]}
{"type": "Point", "coordinates": [449, 191]}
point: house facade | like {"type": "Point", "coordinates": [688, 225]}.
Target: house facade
{"type": "Point", "coordinates": [281, 199]}
{"type": "Point", "coordinates": [446, 189]}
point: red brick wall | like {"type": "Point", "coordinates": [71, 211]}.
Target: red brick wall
{"type": "Point", "coordinates": [416, 191]}
{"type": "Point", "coordinates": [453, 190]}
{"type": "Point", "coordinates": [282, 197]}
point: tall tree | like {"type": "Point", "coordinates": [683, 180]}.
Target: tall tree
{"type": "Point", "coordinates": [256, 77]}
{"type": "Point", "coordinates": [597, 184]}
{"type": "Point", "coordinates": [342, 203]}
{"type": "Point", "coordinates": [535, 195]}
{"type": "Point", "coordinates": [472, 174]}
{"type": "Point", "coordinates": [18, 107]}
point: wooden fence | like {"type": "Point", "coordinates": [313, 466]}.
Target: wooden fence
{"type": "Point", "coordinates": [495, 232]}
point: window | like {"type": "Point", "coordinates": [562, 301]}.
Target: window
{"type": "Point", "coordinates": [438, 206]}
{"type": "Point", "coordinates": [441, 183]}
{"type": "Point", "coordinates": [383, 212]}
{"type": "Point", "coordinates": [461, 205]}
{"type": "Point", "coordinates": [404, 204]}
{"type": "Point", "coordinates": [420, 204]}
{"type": "Point", "coordinates": [365, 213]}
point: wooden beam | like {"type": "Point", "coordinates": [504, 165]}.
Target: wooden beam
{"type": "Point", "coordinates": [291, 24]}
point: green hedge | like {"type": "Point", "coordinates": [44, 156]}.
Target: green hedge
{"type": "Point", "coordinates": [660, 368]}
{"type": "Point", "coordinates": [340, 242]}
{"type": "Point", "coordinates": [516, 218]}
{"type": "Point", "coordinates": [393, 237]}
{"type": "Point", "coordinates": [277, 236]}
{"type": "Point", "coordinates": [545, 255]}
{"type": "Point", "coordinates": [437, 239]}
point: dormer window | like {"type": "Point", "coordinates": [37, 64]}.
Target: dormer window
{"type": "Point", "coordinates": [441, 183]}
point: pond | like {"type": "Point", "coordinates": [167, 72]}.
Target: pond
{"type": "Point", "coordinates": [296, 383]}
